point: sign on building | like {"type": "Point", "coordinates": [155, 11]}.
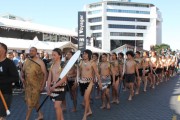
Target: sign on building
{"type": "Point", "coordinates": [82, 31]}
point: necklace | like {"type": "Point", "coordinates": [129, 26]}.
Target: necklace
{"type": "Point", "coordinates": [85, 63]}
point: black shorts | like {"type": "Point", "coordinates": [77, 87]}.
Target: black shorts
{"type": "Point", "coordinates": [172, 68]}
{"type": "Point", "coordinates": [116, 78]}
{"type": "Point", "coordinates": [153, 71]}
{"type": "Point", "coordinates": [130, 78]}
{"type": "Point", "coordinates": [61, 95]}
{"type": "Point", "coordinates": [70, 84]}
{"type": "Point", "coordinates": [159, 70]}
{"type": "Point", "coordinates": [8, 99]}
{"type": "Point", "coordinates": [140, 72]}
{"type": "Point", "coordinates": [83, 87]}
{"type": "Point", "coordinates": [166, 69]}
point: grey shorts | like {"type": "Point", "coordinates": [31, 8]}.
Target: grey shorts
{"type": "Point", "coordinates": [106, 82]}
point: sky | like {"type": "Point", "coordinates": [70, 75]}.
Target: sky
{"type": "Point", "coordinates": [63, 14]}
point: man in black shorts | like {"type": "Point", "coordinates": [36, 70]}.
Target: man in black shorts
{"type": "Point", "coordinates": [130, 69]}
{"type": "Point", "coordinates": [72, 81]}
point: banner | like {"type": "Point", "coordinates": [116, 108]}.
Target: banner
{"type": "Point", "coordinates": [82, 31]}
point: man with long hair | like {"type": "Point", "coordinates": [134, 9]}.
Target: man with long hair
{"type": "Point", "coordinates": [87, 70]}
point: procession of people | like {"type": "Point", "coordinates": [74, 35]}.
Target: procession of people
{"type": "Point", "coordinates": [107, 73]}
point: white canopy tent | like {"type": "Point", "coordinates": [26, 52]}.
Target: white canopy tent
{"type": "Point", "coordinates": [27, 25]}
{"type": "Point", "coordinates": [94, 49]}
{"type": "Point", "coordinates": [22, 44]}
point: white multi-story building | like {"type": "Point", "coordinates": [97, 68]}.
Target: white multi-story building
{"type": "Point", "coordinates": [114, 23]}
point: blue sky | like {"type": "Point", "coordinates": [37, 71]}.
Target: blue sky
{"type": "Point", "coordinates": [63, 13]}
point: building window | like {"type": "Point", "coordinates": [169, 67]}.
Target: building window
{"type": "Point", "coordinates": [127, 26]}
{"type": "Point", "coordinates": [141, 27]}
{"type": "Point", "coordinates": [128, 11]}
{"type": "Point", "coordinates": [130, 5]}
{"type": "Point", "coordinates": [122, 26]}
{"type": "Point", "coordinates": [142, 19]}
{"type": "Point", "coordinates": [96, 27]}
{"type": "Point", "coordinates": [139, 34]}
{"type": "Point", "coordinates": [94, 12]}
{"type": "Point", "coordinates": [95, 5]}
{"type": "Point", "coordinates": [97, 19]}
{"type": "Point", "coordinates": [120, 18]}
{"type": "Point", "coordinates": [128, 19]}
{"type": "Point", "coordinates": [115, 43]}
{"type": "Point", "coordinates": [97, 34]}
{"type": "Point", "coordinates": [98, 43]}
{"type": "Point", "coordinates": [122, 34]}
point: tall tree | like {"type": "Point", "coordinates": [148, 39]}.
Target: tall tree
{"type": "Point", "coordinates": [164, 46]}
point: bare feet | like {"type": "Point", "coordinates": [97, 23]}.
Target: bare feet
{"type": "Point", "coordinates": [102, 107]}
{"type": "Point", "coordinates": [89, 113]}
{"type": "Point", "coordinates": [113, 101]}
{"type": "Point", "coordinates": [40, 117]}
{"type": "Point", "coordinates": [84, 118]}
{"type": "Point", "coordinates": [130, 98]}
{"type": "Point", "coordinates": [136, 93]}
{"type": "Point", "coordinates": [108, 106]}
{"type": "Point", "coordinates": [117, 101]}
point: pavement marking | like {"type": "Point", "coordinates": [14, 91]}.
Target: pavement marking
{"type": "Point", "coordinates": [174, 117]}
{"type": "Point", "coordinates": [178, 98]}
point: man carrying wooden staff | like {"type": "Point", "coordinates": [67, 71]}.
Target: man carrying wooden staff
{"type": "Point", "coordinates": [8, 75]}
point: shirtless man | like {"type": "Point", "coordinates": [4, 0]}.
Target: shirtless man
{"type": "Point", "coordinates": [173, 64]}
{"type": "Point", "coordinates": [57, 89]}
{"type": "Point", "coordinates": [72, 82]}
{"type": "Point", "coordinates": [130, 69]}
{"type": "Point", "coordinates": [87, 70]}
{"type": "Point", "coordinates": [146, 69]}
{"type": "Point", "coordinates": [154, 61]}
{"type": "Point", "coordinates": [121, 62]}
{"type": "Point", "coordinates": [164, 65]}
{"type": "Point", "coordinates": [115, 78]}
{"type": "Point", "coordinates": [168, 67]}
{"type": "Point", "coordinates": [105, 73]}
{"type": "Point", "coordinates": [139, 62]}
{"type": "Point", "coordinates": [95, 57]}
{"type": "Point", "coordinates": [158, 71]}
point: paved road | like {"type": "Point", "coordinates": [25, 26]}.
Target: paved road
{"type": "Point", "coordinates": [161, 103]}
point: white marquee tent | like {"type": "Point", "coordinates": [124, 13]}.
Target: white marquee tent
{"type": "Point", "coordinates": [22, 44]}
{"type": "Point", "coordinates": [26, 25]}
